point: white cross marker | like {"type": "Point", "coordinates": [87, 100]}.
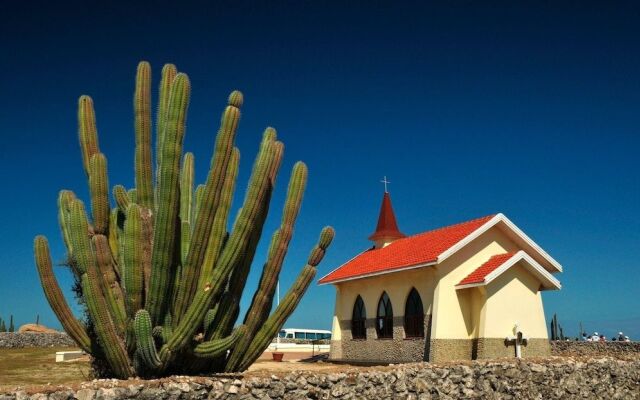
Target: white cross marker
{"type": "Point", "coordinates": [385, 181]}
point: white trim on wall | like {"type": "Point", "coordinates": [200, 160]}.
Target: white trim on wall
{"type": "Point", "coordinates": [533, 266]}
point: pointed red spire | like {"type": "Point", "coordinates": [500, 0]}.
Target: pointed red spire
{"type": "Point", "coordinates": [387, 226]}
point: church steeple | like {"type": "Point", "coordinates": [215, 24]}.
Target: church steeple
{"type": "Point", "coordinates": [387, 229]}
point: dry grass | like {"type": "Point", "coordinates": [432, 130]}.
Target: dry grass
{"type": "Point", "coordinates": [38, 366]}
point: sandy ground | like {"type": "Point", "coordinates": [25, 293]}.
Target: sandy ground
{"type": "Point", "coordinates": [36, 366]}
{"type": "Point", "coordinates": [293, 361]}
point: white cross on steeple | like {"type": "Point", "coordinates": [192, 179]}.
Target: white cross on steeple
{"type": "Point", "coordinates": [385, 181]}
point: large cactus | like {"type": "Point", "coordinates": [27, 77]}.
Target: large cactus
{"type": "Point", "coordinates": [159, 274]}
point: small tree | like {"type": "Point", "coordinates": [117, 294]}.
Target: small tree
{"type": "Point", "coordinates": [3, 328]}
{"type": "Point", "coordinates": [11, 327]}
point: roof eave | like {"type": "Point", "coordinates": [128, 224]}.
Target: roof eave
{"type": "Point", "coordinates": [378, 273]}
{"type": "Point", "coordinates": [513, 228]}
{"type": "Point", "coordinates": [542, 274]}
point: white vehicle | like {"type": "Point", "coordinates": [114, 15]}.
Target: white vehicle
{"type": "Point", "coordinates": [308, 334]}
{"type": "Point", "coordinates": [305, 342]}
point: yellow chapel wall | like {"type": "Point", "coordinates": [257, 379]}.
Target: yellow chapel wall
{"type": "Point", "coordinates": [397, 285]}
{"type": "Point", "coordinates": [514, 297]}
{"type": "Point", "coordinates": [457, 314]}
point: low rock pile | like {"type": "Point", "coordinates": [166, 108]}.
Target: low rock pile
{"type": "Point", "coordinates": [14, 340]}
{"type": "Point", "coordinates": [595, 349]}
{"type": "Point", "coordinates": [554, 378]}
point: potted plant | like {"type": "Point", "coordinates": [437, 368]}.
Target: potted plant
{"type": "Point", "coordinates": [277, 356]}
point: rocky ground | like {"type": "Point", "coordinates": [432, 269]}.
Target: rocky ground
{"type": "Point", "coordinates": [553, 378]}
{"type": "Point", "coordinates": [14, 340]}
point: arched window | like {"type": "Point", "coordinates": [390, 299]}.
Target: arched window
{"type": "Point", "coordinates": [384, 321]}
{"type": "Point", "coordinates": [414, 315]}
{"type": "Point", "coordinates": [358, 319]}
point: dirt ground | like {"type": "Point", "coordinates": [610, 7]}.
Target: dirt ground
{"type": "Point", "coordinates": [293, 361]}
{"type": "Point", "coordinates": [36, 366]}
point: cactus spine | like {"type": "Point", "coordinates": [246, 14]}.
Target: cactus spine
{"type": "Point", "coordinates": [160, 275]}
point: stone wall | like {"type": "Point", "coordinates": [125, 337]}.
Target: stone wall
{"type": "Point", "coordinates": [395, 350]}
{"type": "Point", "coordinates": [28, 339]}
{"type": "Point", "coordinates": [615, 349]}
{"type": "Point", "coordinates": [603, 378]}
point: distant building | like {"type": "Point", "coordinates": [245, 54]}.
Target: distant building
{"type": "Point", "coordinates": [457, 292]}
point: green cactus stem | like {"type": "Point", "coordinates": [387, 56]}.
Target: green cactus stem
{"type": "Point", "coordinates": [275, 322]}
{"type": "Point", "coordinates": [168, 197]}
{"type": "Point", "coordinates": [146, 347]}
{"type": "Point", "coordinates": [110, 282]}
{"type": "Point", "coordinates": [218, 233]}
{"type": "Point", "coordinates": [142, 112]}
{"type": "Point", "coordinates": [263, 298]}
{"type": "Point", "coordinates": [186, 203]}
{"type": "Point", "coordinates": [54, 295]}
{"type": "Point", "coordinates": [87, 130]}
{"type": "Point", "coordinates": [99, 187]}
{"type": "Point", "coordinates": [111, 345]}
{"type": "Point", "coordinates": [259, 184]}
{"type": "Point", "coordinates": [211, 195]}
{"type": "Point", "coordinates": [169, 73]}
{"type": "Point", "coordinates": [121, 197]}
{"type": "Point", "coordinates": [133, 255]}
{"type": "Point", "coordinates": [217, 347]}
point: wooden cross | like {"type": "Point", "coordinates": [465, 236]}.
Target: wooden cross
{"type": "Point", "coordinates": [385, 181]}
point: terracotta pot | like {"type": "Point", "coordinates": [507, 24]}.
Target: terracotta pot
{"type": "Point", "coordinates": [277, 356]}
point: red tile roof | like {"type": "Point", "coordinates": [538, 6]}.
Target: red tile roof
{"type": "Point", "coordinates": [387, 226]}
{"type": "Point", "coordinates": [485, 269]}
{"type": "Point", "coordinates": [422, 248]}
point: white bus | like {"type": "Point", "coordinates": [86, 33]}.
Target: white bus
{"type": "Point", "coordinates": [308, 334]}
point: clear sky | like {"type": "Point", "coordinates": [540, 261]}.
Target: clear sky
{"type": "Point", "coordinates": [530, 109]}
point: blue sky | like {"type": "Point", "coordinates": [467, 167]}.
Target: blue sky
{"type": "Point", "coordinates": [469, 109]}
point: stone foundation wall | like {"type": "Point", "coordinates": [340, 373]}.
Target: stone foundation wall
{"type": "Point", "coordinates": [19, 340]}
{"type": "Point", "coordinates": [488, 348]}
{"type": "Point", "coordinates": [616, 349]}
{"type": "Point", "coordinates": [602, 378]}
{"type": "Point", "coordinates": [450, 349]}
{"type": "Point", "coordinates": [395, 350]}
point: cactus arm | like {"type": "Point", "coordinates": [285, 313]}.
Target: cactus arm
{"type": "Point", "coordinates": [168, 197]}
{"type": "Point", "coordinates": [210, 200]}
{"type": "Point", "coordinates": [259, 184]}
{"type": "Point", "coordinates": [230, 301]}
{"type": "Point", "coordinates": [87, 131]}
{"type": "Point", "coordinates": [168, 75]}
{"type": "Point", "coordinates": [99, 188]}
{"type": "Point", "coordinates": [217, 347]}
{"type": "Point", "coordinates": [198, 201]}
{"type": "Point", "coordinates": [133, 195]}
{"type": "Point", "coordinates": [79, 230]}
{"type": "Point", "coordinates": [64, 218]}
{"type": "Point", "coordinates": [146, 347]}
{"type": "Point", "coordinates": [54, 295]}
{"type": "Point", "coordinates": [110, 343]}
{"type": "Point", "coordinates": [209, 318]}
{"type": "Point", "coordinates": [219, 229]}
{"type": "Point", "coordinates": [121, 197]}
{"type": "Point", "coordinates": [186, 203]}
{"type": "Point", "coordinates": [114, 244]}
{"type": "Point", "coordinates": [110, 285]}
{"type": "Point", "coordinates": [274, 323]}
{"type": "Point", "coordinates": [263, 298]}
{"type": "Point", "coordinates": [142, 112]}
{"type": "Point", "coordinates": [133, 255]}
{"type": "Point", "coordinates": [112, 346]}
